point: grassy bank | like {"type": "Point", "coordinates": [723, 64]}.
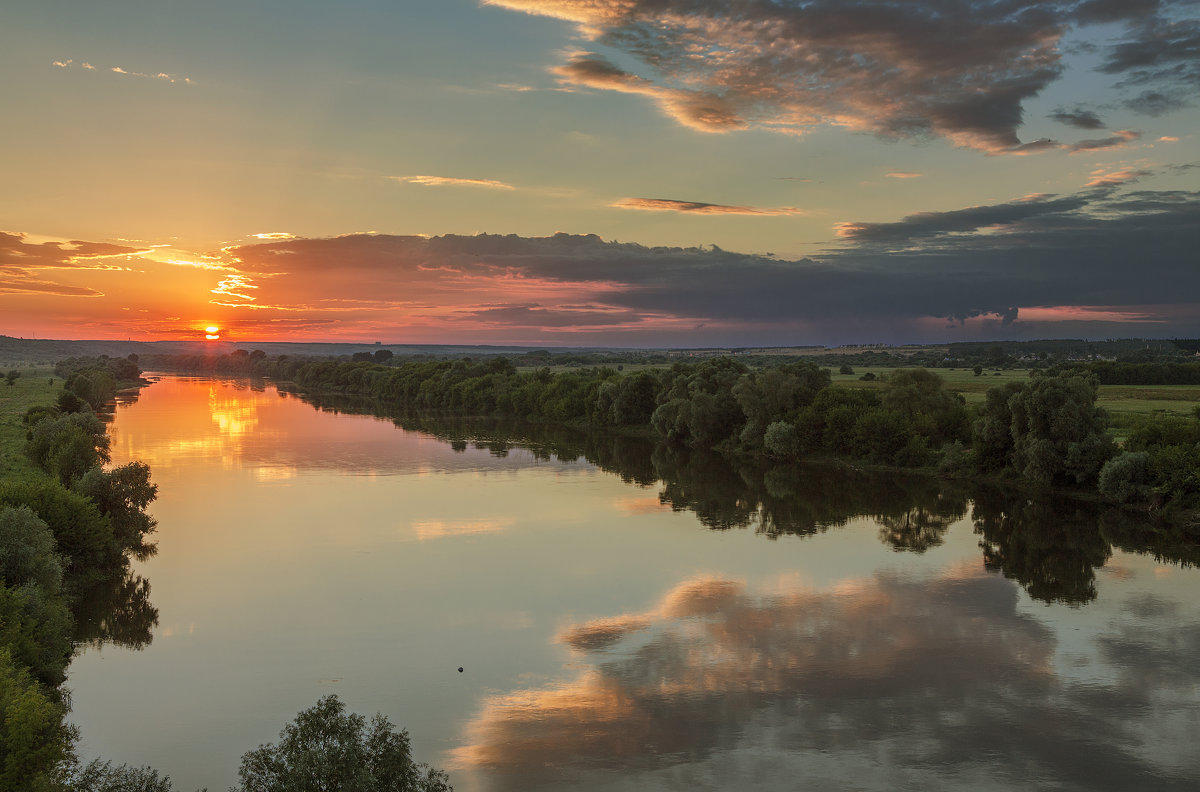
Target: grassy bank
{"type": "Point", "coordinates": [36, 386]}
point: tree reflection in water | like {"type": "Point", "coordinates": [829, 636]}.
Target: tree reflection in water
{"type": "Point", "coordinates": [115, 611]}
{"type": "Point", "coordinates": [1050, 544]}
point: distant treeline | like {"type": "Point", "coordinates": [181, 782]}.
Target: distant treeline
{"type": "Point", "coordinates": [1047, 431]}
{"type": "Point", "coordinates": [66, 532]}
{"type": "Point", "coordinates": [1117, 373]}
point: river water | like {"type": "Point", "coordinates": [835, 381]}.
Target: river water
{"type": "Point", "coordinates": [628, 617]}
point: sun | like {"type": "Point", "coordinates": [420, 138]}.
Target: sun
{"type": "Point", "coordinates": [212, 333]}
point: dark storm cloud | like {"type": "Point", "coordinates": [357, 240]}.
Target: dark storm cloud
{"type": "Point", "coordinates": [1099, 247]}
{"type": "Point", "coordinates": [957, 69]}
{"type": "Point", "coordinates": [1078, 118]}
{"type": "Point", "coordinates": [540, 316]}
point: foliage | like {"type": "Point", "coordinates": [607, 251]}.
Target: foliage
{"type": "Point", "coordinates": [67, 446]}
{"type": "Point", "coordinates": [84, 536]}
{"type": "Point", "coordinates": [35, 743]}
{"type": "Point", "coordinates": [27, 550]}
{"type": "Point", "coordinates": [327, 750]}
{"type": "Point", "coordinates": [102, 776]}
{"type": "Point", "coordinates": [1055, 431]}
{"type": "Point", "coordinates": [35, 628]}
{"type": "Point", "coordinates": [1125, 477]}
{"type": "Point", "coordinates": [121, 494]}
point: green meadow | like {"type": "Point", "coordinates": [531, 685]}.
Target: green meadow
{"type": "Point", "coordinates": [32, 388]}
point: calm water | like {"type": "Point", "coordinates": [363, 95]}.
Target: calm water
{"type": "Point", "coordinates": [644, 620]}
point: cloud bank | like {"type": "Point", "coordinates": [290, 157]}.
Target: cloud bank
{"type": "Point", "coordinates": [1108, 254]}
{"type": "Point", "coordinates": [955, 69]}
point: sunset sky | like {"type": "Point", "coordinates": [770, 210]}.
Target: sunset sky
{"type": "Point", "coordinates": [601, 172]}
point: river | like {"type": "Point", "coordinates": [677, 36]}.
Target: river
{"type": "Point", "coordinates": [649, 619]}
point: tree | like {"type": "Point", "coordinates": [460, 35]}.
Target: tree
{"type": "Point", "coordinates": [27, 550]}
{"type": "Point", "coordinates": [122, 494]}
{"type": "Point", "coordinates": [1058, 431]}
{"type": "Point", "coordinates": [35, 743]}
{"type": "Point", "coordinates": [11, 377]}
{"type": "Point", "coordinates": [67, 446]}
{"type": "Point", "coordinates": [327, 750]}
{"type": "Point", "coordinates": [102, 776]}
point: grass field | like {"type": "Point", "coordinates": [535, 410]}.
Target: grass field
{"type": "Point", "coordinates": [30, 389]}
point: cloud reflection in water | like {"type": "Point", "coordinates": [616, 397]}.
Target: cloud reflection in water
{"type": "Point", "coordinates": [884, 683]}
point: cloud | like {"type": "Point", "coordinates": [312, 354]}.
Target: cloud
{"type": "Point", "coordinates": [1100, 178]}
{"type": "Point", "coordinates": [936, 224]}
{"type": "Point", "coordinates": [703, 111]}
{"type": "Point", "coordinates": [16, 251]}
{"type": "Point", "coordinates": [1120, 139]}
{"type": "Point", "coordinates": [16, 284]}
{"type": "Point", "coordinates": [903, 175]}
{"type": "Point", "coordinates": [450, 181]}
{"type": "Point", "coordinates": [875, 679]}
{"type": "Point", "coordinates": [1078, 118]}
{"type": "Point", "coordinates": [1105, 250]}
{"type": "Point", "coordinates": [693, 207]}
{"type": "Point", "coordinates": [960, 69]}
{"type": "Point", "coordinates": [1155, 103]}
{"type": "Point", "coordinates": [120, 70]}
{"type": "Point", "coordinates": [1163, 49]}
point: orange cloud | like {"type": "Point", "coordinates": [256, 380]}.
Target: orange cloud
{"type": "Point", "coordinates": [450, 181]}
{"type": "Point", "coordinates": [693, 207]}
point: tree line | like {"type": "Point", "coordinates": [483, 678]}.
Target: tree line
{"type": "Point", "coordinates": [1047, 431]}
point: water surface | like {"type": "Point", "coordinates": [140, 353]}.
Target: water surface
{"type": "Point", "coordinates": [649, 619]}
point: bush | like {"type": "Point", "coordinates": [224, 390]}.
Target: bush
{"type": "Point", "coordinates": [781, 440]}
{"type": "Point", "coordinates": [1125, 477]}
{"type": "Point", "coordinates": [325, 748]}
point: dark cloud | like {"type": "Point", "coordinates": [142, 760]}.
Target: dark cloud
{"type": "Point", "coordinates": [694, 207]}
{"type": "Point", "coordinates": [957, 69]}
{"type": "Point", "coordinates": [540, 316]}
{"type": "Point", "coordinates": [936, 224]}
{"type": "Point", "coordinates": [1119, 140]}
{"type": "Point", "coordinates": [1116, 10]}
{"type": "Point", "coordinates": [1154, 103]}
{"type": "Point", "coordinates": [1078, 118]}
{"type": "Point", "coordinates": [1122, 251]}
{"type": "Point", "coordinates": [1161, 50]}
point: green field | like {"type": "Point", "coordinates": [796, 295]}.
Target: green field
{"type": "Point", "coordinates": [32, 388]}
{"type": "Point", "coordinates": [1126, 404]}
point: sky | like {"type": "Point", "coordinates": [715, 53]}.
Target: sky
{"type": "Point", "coordinates": [643, 173]}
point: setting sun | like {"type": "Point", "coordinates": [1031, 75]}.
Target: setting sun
{"type": "Point", "coordinates": [212, 333]}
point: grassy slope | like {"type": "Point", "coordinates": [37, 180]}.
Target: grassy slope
{"type": "Point", "coordinates": [32, 388]}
